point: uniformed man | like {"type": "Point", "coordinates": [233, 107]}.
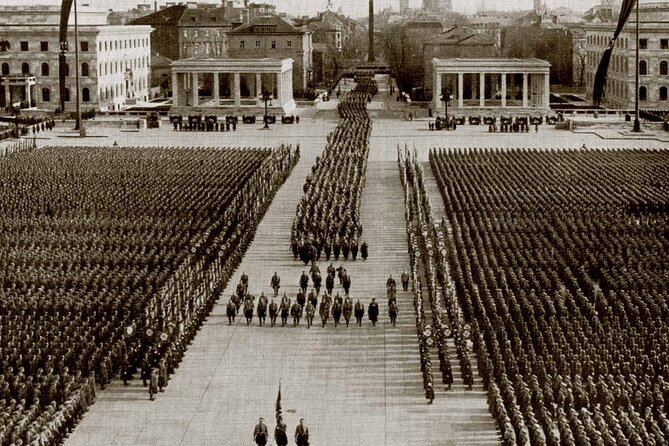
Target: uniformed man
{"type": "Point", "coordinates": [329, 283]}
{"type": "Point", "coordinates": [248, 309]}
{"type": "Point", "coordinates": [260, 433]}
{"type": "Point", "coordinates": [373, 311]}
{"type": "Point", "coordinates": [336, 312]}
{"type": "Point", "coordinates": [311, 311]}
{"type": "Point", "coordinates": [273, 312]}
{"type": "Point", "coordinates": [162, 376]}
{"type": "Point", "coordinates": [153, 384]}
{"type": "Point", "coordinates": [262, 308]}
{"type": "Point", "coordinates": [280, 432]}
{"type": "Point", "coordinates": [347, 309]}
{"type": "Point", "coordinates": [276, 283]}
{"type": "Point", "coordinates": [392, 312]}
{"type": "Point", "coordinates": [296, 312]}
{"type": "Point", "coordinates": [231, 311]}
{"type": "Point", "coordinates": [364, 250]}
{"type": "Point", "coordinates": [285, 309]}
{"type": "Point", "coordinates": [324, 311]}
{"type": "Point", "coordinates": [304, 281]}
{"type": "Point", "coordinates": [359, 312]}
{"type": "Point", "coordinates": [405, 280]}
{"type": "Point", "coordinates": [302, 434]}
{"type": "Point", "coordinates": [346, 282]}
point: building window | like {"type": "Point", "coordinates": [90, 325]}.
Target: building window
{"type": "Point", "coordinates": [289, 43]}
{"type": "Point", "coordinates": [257, 43]}
{"type": "Point", "coordinates": [84, 45]}
{"type": "Point", "coordinates": [24, 45]}
{"type": "Point", "coordinates": [643, 44]}
{"type": "Point", "coordinates": [46, 95]}
{"type": "Point", "coordinates": [45, 69]}
{"type": "Point", "coordinates": [67, 94]}
{"type": "Point", "coordinates": [643, 67]}
{"type": "Point", "coordinates": [242, 44]}
{"type": "Point", "coordinates": [663, 93]}
{"type": "Point", "coordinates": [25, 68]}
{"type": "Point", "coordinates": [5, 69]}
{"type": "Point", "coordinates": [664, 44]}
{"type": "Point", "coordinates": [85, 95]}
{"type": "Point", "coordinates": [664, 68]}
{"type": "Point", "coordinates": [44, 46]}
{"type": "Point", "coordinates": [273, 43]}
{"type": "Point", "coordinates": [84, 69]}
{"type": "Point", "coordinates": [643, 94]}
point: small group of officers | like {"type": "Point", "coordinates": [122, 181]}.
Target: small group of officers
{"type": "Point", "coordinates": [261, 434]}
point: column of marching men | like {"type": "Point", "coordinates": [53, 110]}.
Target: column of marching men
{"type": "Point", "coordinates": [113, 270]}
{"type": "Point", "coordinates": [331, 303]}
{"type": "Point", "coordinates": [327, 219]}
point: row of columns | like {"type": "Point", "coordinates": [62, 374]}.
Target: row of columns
{"type": "Point", "coordinates": [437, 90]}
{"type": "Point", "coordinates": [283, 87]}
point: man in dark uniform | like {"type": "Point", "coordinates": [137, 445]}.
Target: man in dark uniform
{"type": "Point", "coordinates": [329, 283]}
{"type": "Point", "coordinates": [311, 311]}
{"type": "Point", "coordinates": [348, 309]}
{"type": "Point", "coordinates": [276, 283]}
{"type": "Point", "coordinates": [346, 282]}
{"type": "Point", "coordinates": [260, 433]}
{"type": "Point", "coordinates": [280, 432]}
{"type": "Point", "coordinates": [364, 250]}
{"type": "Point", "coordinates": [262, 308]}
{"type": "Point", "coordinates": [296, 312]}
{"type": "Point", "coordinates": [316, 277]}
{"type": "Point", "coordinates": [273, 312]}
{"type": "Point", "coordinates": [248, 309]}
{"type": "Point", "coordinates": [285, 309]}
{"type": "Point", "coordinates": [324, 311]}
{"type": "Point", "coordinates": [331, 270]}
{"type": "Point", "coordinates": [359, 312]}
{"type": "Point", "coordinates": [153, 384]}
{"type": "Point", "coordinates": [231, 311]}
{"type": "Point", "coordinates": [302, 434]}
{"type": "Point", "coordinates": [304, 281]}
{"type": "Point", "coordinates": [301, 298]}
{"type": "Point", "coordinates": [373, 311]}
{"type": "Point", "coordinates": [405, 280]}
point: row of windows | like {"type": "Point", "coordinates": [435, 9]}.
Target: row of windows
{"type": "Point", "coordinates": [117, 67]}
{"type": "Point", "coordinates": [289, 44]}
{"type": "Point", "coordinates": [109, 45]}
{"type": "Point", "coordinates": [643, 68]}
{"type": "Point", "coordinates": [107, 93]}
{"type": "Point", "coordinates": [43, 46]}
{"type": "Point", "coordinates": [207, 33]}
{"type": "Point", "coordinates": [664, 44]}
{"type": "Point", "coordinates": [85, 95]}
{"type": "Point", "coordinates": [643, 94]}
{"type": "Point", "coordinates": [190, 49]}
{"type": "Point", "coordinates": [603, 40]}
{"type": "Point", "coordinates": [45, 69]}
{"type": "Point", "coordinates": [112, 91]}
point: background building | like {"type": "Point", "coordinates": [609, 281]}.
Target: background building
{"type": "Point", "coordinates": [437, 6]}
{"type": "Point", "coordinates": [275, 38]}
{"type": "Point", "coordinates": [653, 61]}
{"type": "Point", "coordinates": [114, 61]}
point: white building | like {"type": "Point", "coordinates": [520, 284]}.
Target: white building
{"type": "Point", "coordinates": [114, 61]}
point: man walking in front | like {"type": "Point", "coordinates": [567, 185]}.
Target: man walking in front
{"type": "Point", "coordinates": [302, 434]}
{"type": "Point", "coordinates": [260, 433]}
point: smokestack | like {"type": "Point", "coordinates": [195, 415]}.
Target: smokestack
{"type": "Point", "coordinates": [370, 57]}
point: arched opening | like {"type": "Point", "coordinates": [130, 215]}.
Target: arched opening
{"type": "Point", "coordinates": [45, 69]}
{"type": "Point", "coordinates": [67, 94]}
{"type": "Point", "coordinates": [5, 69]}
{"type": "Point", "coordinates": [25, 68]}
{"type": "Point", "coordinates": [84, 69]}
{"type": "Point", "coordinates": [663, 94]}
{"type": "Point", "coordinates": [85, 95]}
{"type": "Point", "coordinates": [643, 94]}
{"type": "Point", "coordinates": [46, 95]}
{"type": "Point", "coordinates": [664, 68]}
{"type": "Point", "coordinates": [643, 68]}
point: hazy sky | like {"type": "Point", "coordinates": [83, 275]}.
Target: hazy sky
{"type": "Point", "coordinates": [354, 8]}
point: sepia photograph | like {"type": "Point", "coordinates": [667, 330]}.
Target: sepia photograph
{"type": "Point", "coordinates": [334, 223]}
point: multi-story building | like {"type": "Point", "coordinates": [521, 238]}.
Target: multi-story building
{"type": "Point", "coordinates": [437, 6]}
{"type": "Point", "coordinates": [113, 60]}
{"type": "Point", "coordinates": [275, 38]}
{"type": "Point", "coordinates": [653, 59]}
{"type": "Point", "coordinates": [260, 10]}
{"type": "Point", "coordinates": [202, 33]}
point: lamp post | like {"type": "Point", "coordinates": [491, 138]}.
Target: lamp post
{"type": "Point", "coordinates": [446, 96]}
{"type": "Point", "coordinates": [78, 122]}
{"type": "Point", "coordinates": [266, 97]}
{"type": "Point", "coordinates": [637, 123]}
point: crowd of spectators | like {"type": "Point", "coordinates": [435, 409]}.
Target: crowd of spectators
{"type": "Point", "coordinates": [27, 125]}
{"type": "Point", "coordinates": [111, 258]}
{"type": "Point", "coordinates": [560, 263]}
{"type": "Point", "coordinates": [328, 215]}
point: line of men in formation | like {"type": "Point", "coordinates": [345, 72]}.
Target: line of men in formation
{"type": "Point", "coordinates": [260, 433]}
{"type": "Point", "coordinates": [336, 306]}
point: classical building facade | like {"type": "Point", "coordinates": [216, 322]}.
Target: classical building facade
{"type": "Point", "coordinates": [653, 59]}
{"type": "Point", "coordinates": [113, 60]}
{"type": "Point", "coordinates": [274, 38]}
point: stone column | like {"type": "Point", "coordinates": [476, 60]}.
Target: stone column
{"type": "Point", "coordinates": [288, 93]}
{"type": "Point", "coordinates": [236, 90]}
{"type": "Point", "coordinates": [524, 90]}
{"type": "Point", "coordinates": [482, 90]}
{"type": "Point", "coordinates": [547, 91]}
{"type": "Point", "coordinates": [8, 96]}
{"type": "Point", "coordinates": [461, 90]}
{"type": "Point", "coordinates": [196, 89]}
{"type": "Point", "coordinates": [436, 92]}
{"type": "Point", "coordinates": [279, 87]}
{"type": "Point", "coordinates": [175, 89]}
{"type": "Point", "coordinates": [217, 93]}
{"type": "Point", "coordinates": [258, 85]}
{"type": "Point", "coordinates": [503, 89]}
{"type": "Point", "coordinates": [28, 93]}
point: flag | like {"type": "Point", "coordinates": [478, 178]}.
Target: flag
{"type": "Point", "coordinates": [65, 8]}
{"type": "Point", "coordinates": [278, 404]}
{"type": "Point", "coordinates": [603, 68]}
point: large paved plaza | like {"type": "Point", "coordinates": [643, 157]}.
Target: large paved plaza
{"type": "Point", "coordinates": [353, 386]}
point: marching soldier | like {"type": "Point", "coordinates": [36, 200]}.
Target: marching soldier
{"type": "Point", "coordinates": [348, 309]}
{"type": "Point", "coordinates": [392, 312]}
{"type": "Point", "coordinates": [405, 280]}
{"type": "Point", "coordinates": [336, 312]}
{"type": "Point", "coordinates": [231, 311]}
{"type": "Point", "coordinates": [311, 311]}
{"type": "Point", "coordinates": [296, 312]}
{"type": "Point", "coordinates": [276, 283]}
{"type": "Point", "coordinates": [373, 311]}
{"type": "Point", "coordinates": [359, 312]}
{"type": "Point", "coordinates": [273, 312]}
{"type": "Point", "coordinates": [304, 281]}
{"type": "Point", "coordinates": [285, 309]}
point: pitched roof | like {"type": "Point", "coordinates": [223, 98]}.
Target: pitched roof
{"type": "Point", "coordinates": [279, 25]}
{"type": "Point", "coordinates": [204, 16]}
{"type": "Point", "coordinates": [459, 36]}
{"type": "Point", "coordinates": [167, 16]}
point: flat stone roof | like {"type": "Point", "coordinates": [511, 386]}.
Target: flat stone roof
{"type": "Point", "coordinates": [232, 65]}
{"type": "Point", "coordinates": [491, 65]}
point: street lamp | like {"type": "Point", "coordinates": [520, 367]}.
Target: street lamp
{"type": "Point", "coordinates": [446, 96]}
{"type": "Point", "coordinates": [266, 97]}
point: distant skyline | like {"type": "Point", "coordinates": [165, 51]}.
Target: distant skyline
{"type": "Point", "coordinates": [354, 8]}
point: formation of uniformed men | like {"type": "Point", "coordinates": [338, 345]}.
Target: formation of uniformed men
{"type": "Point", "coordinates": [261, 436]}
{"type": "Point", "coordinates": [327, 221]}
{"type": "Point", "coordinates": [98, 282]}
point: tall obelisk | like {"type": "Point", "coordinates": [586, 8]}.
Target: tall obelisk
{"type": "Point", "coordinates": [370, 57]}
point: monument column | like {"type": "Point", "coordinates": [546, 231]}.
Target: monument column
{"type": "Point", "coordinates": [461, 90]}
{"type": "Point", "coordinates": [482, 90]}
{"type": "Point", "coordinates": [524, 90]}
{"type": "Point", "coordinates": [217, 93]}
{"type": "Point", "coordinates": [175, 88]}
{"type": "Point", "coordinates": [370, 57]}
{"type": "Point", "coordinates": [236, 90]}
{"type": "Point", "coordinates": [503, 89]}
{"type": "Point", "coordinates": [196, 90]}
